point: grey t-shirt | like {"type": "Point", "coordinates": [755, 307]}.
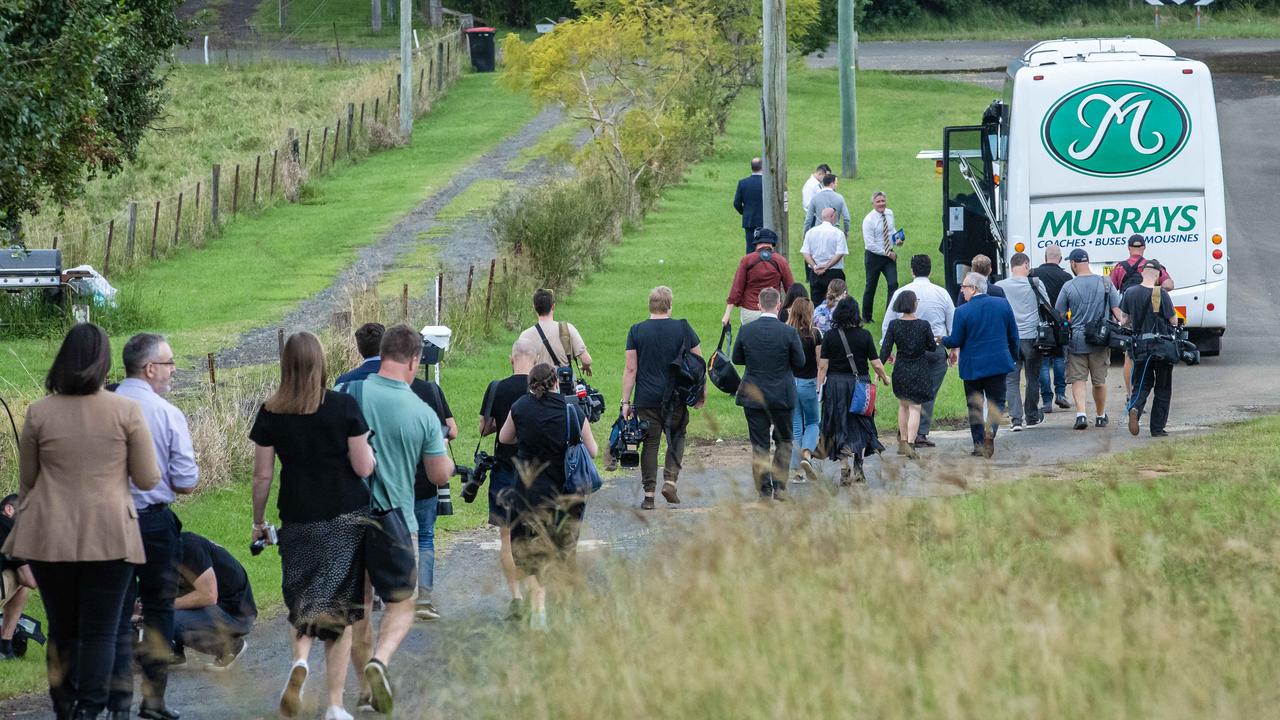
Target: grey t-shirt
{"type": "Point", "coordinates": [1026, 305]}
{"type": "Point", "coordinates": [1086, 298]}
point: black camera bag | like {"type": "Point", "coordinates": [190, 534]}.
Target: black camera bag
{"type": "Point", "coordinates": [721, 370]}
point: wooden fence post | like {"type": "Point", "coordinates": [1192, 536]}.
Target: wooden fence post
{"type": "Point", "coordinates": [471, 274]}
{"type": "Point", "coordinates": [213, 200]}
{"type": "Point", "coordinates": [132, 230]}
{"type": "Point", "coordinates": [351, 114]}
{"type": "Point", "coordinates": [106, 260]}
{"type": "Point", "coordinates": [488, 295]}
{"type": "Point", "coordinates": [422, 73]}
{"type": "Point", "coordinates": [235, 191]}
{"type": "Point", "coordinates": [337, 135]}
{"type": "Point", "coordinates": [404, 303]}
{"type": "Point", "coordinates": [56, 238]}
{"type": "Point", "coordinates": [196, 236]}
{"type": "Point", "coordinates": [274, 154]}
{"type": "Point", "coordinates": [177, 221]}
{"type": "Point", "coordinates": [389, 97]}
{"type": "Point", "coordinates": [324, 143]}
{"type": "Point", "coordinates": [377, 102]}
{"type": "Point", "coordinates": [280, 342]}
{"type": "Point", "coordinates": [155, 226]}
{"type": "Point", "coordinates": [440, 293]}
{"type": "Point", "coordinates": [213, 376]}
{"type": "Point", "coordinates": [257, 166]}
{"type": "Point", "coordinates": [361, 116]}
{"type": "Point", "coordinates": [306, 150]}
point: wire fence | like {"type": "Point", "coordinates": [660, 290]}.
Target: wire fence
{"type": "Point", "coordinates": [149, 230]}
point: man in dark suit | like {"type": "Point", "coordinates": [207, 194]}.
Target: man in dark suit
{"type": "Point", "coordinates": [986, 334]}
{"type": "Point", "coordinates": [749, 202]}
{"type": "Point", "coordinates": [771, 351]}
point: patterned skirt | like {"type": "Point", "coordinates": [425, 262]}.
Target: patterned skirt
{"type": "Point", "coordinates": [322, 566]}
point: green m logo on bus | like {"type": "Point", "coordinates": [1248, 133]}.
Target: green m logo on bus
{"type": "Point", "coordinates": [1116, 129]}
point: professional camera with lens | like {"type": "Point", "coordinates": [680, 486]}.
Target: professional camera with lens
{"type": "Point", "coordinates": [590, 400]}
{"type": "Point", "coordinates": [627, 449]}
{"type": "Point", "coordinates": [1187, 350]}
{"type": "Point", "coordinates": [474, 478]}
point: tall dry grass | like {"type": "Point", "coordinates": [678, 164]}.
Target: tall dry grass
{"type": "Point", "coordinates": [1150, 590]}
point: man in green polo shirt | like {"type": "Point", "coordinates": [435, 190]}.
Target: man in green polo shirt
{"type": "Point", "coordinates": [405, 432]}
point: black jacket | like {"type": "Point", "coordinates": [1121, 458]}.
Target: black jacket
{"type": "Point", "coordinates": [772, 353]}
{"type": "Point", "coordinates": [749, 201]}
{"type": "Point", "coordinates": [1053, 277]}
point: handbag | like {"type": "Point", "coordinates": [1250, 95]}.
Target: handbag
{"type": "Point", "coordinates": [1052, 332]}
{"type": "Point", "coordinates": [863, 401]}
{"type": "Point", "coordinates": [1097, 333]}
{"type": "Point", "coordinates": [721, 370]}
{"type": "Point", "coordinates": [580, 474]}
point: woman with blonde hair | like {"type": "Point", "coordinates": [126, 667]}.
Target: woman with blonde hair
{"type": "Point", "coordinates": [543, 427]}
{"type": "Point", "coordinates": [322, 441]}
{"type": "Point", "coordinates": [837, 290]}
{"type": "Point", "coordinates": [805, 418]}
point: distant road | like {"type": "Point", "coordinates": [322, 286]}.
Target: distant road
{"type": "Point", "coordinates": [974, 55]}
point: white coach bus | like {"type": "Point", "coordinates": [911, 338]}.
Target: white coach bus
{"type": "Point", "coordinates": [1092, 141]}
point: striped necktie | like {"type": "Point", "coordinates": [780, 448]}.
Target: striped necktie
{"type": "Point", "coordinates": [888, 243]}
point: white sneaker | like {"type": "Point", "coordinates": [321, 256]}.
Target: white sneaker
{"type": "Point", "coordinates": [336, 712]}
{"type": "Point", "coordinates": [538, 620]}
{"type": "Point", "coordinates": [291, 696]}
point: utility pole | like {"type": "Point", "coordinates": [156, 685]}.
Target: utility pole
{"type": "Point", "coordinates": [377, 15]}
{"type": "Point", "coordinates": [774, 116]}
{"type": "Point", "coordinates": [279, 15]}
{"type": "Point", "coordinates": [406, 68]}
{"type": "Point", "coordinates": [848, 92]}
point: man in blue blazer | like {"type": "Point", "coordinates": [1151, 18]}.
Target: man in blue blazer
{"type": "Point", "coordinates": [986, 334]}
{"type": "Point", "coordinates": [749, 202]}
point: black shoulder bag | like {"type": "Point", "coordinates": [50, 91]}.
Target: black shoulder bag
{"type": "Point", "coordinates": [721, 370]}
{"type": "Point", "coordinates": [688, 372]}
{"type": "Point", "coordinates": [1052, 331]}
{"type": "Point", "coordinates": [1097, 333]}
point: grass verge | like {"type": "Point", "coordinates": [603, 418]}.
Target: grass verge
{"type": "Point", "coordinates": [1176, 23]}
{"type": "Point", "coordinates": [1150, 588]}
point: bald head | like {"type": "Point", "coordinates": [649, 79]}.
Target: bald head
{"type": "Point", "coordinates": [524, 355]}
{"type": "Point", "coordinates": [829, 215]}
{"type": "Point", "coordinates": [1053, 254]}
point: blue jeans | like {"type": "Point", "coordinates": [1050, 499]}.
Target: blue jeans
{"type": "Point", "coordinates": [805, 419]}
{"type": "Point", "coordinates": [425, 511]}
{"type": "Point", "coordinates": [1059, 384]}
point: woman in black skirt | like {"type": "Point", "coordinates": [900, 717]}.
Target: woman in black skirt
{"type": "Point", "coordinates": [913, 338]}
{"type": "Point", "coordinates": [847, 354]}
{"type": "Point", "coordinates": [543, 426]}
{"type": "Point", "coordinates": [322, 441]}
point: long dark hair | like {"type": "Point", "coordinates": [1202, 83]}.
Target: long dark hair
{"type": "Point", "coordinates": [846, 315]}
{"type": "Point", "coordinates": [82, 363]}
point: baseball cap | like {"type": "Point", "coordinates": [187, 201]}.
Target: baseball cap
{"type": "Point", "coordinates": [765, 235]}
{"type": "Point", "coordinates": [1136, 240]}
{"type": "Point", "coordinates": [1153, 265]}
{"type": "Point", "coordinates": [1078, 255]}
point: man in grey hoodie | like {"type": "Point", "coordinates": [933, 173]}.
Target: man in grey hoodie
{"type": "Point", "coordinates": [1024, 294]}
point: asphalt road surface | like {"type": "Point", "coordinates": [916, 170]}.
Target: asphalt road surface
{"type": "Point", "coordinates": [431, 672]}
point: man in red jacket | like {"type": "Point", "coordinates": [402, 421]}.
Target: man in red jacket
{"type": "Point", "coordinates": [763, 268]}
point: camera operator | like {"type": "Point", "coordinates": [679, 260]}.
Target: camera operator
{"type": "Point", "coordinates": [1149, 311]}
{"type": "Point", "coordinates": [555, 340]}
{"type": "Point", "coordinates": [215, 609]}
{"type": "Point", "coordinates": [16, 583]}
{"type": "Point", "coordinates": [652, 346]}
{"type": "Point", "coordinates": [494, 409]}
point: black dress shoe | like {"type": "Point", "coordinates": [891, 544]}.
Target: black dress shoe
{"type": "Point", "coordinates": [158, 713]}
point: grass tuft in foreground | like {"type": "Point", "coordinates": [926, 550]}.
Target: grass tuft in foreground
{"type": "Point", "coordinates": [1148, 589]}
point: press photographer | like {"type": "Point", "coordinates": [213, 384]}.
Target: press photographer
{"type": "Point", "coordinates": [664, 368]}
{"type": "Point", "coordinates": [1155, 348]}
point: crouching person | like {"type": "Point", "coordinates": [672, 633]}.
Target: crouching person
{"type": "Point", "coordinates": [215, 609]}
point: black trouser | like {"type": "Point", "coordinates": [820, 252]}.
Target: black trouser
{"type": "Point", "coordinates": [1147, 375]}
{"type": "Point", "coordinates": [210, 630]}
{"type": "Point", "coordinates": [988, 393]}
{"type": "Point", "coordinates": [156, 583]}
{"type": "Point", "coordinates": [670, 421]}
{"type": "Point", "coordinates": [751, 239]}
{"type": "Point", "coordinates": [84, 602]}
{"type": "Point", "coordinates": [877, 265]}
{"type": "Point", "coordinates": [1027, 363]}
{"type": "Point", "coordinates": [769, 473]}
{"type": "Point", "coordinates": [818, 283]}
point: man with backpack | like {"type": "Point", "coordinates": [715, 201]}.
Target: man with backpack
{"type": "Point", "coordinates": [1128, 274]}
{"type": "Point", "coordinates": [1149, 311]}
{"type": "Point", "coordinates": [763, 268]}
{"type": "Point", "coordinates": [664, 380]}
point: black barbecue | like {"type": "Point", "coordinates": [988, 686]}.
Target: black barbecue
{"type": "Point", "coordinates": [30, 269]}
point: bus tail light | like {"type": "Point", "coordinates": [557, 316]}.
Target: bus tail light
{"type": "Point", "coordinates": [1217, 268]}
{"type": "Point", "coordinates": [1217, 253]}
{"type": "Point", "coordinates": [1217, 239]}
{"type": "Point", "coordinates": [1209, 307]}
{"type": "Point", "coordinates": [1019, 247]}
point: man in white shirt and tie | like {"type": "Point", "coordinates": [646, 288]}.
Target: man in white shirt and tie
{"type": "Point", "coordinates": [934, 306]}
{"type": "Point", "coordinates": [880, 255]}
{"type": "Point", "coordinates": [813, 185]}
{"type": "Point", "coordinates": [824, 250]}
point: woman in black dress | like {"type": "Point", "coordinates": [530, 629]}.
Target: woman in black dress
{"type": "Point", "coordinates": [322, 441]}
{"type": "Point", "coordinates": [847, 353]}
{"type": "Point", "coordinates": [543, 426]}
{"type": "Point", "coordinates": [913, 338]}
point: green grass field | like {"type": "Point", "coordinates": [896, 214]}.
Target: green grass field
{"type": "Point", "coordinates": [1147, 588]}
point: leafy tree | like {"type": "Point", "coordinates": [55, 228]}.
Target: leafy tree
{"type": "Point", "coordinates": [80, 82]}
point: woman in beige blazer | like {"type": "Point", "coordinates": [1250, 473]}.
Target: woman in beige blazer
{"type": "Point", "coordinates": [76, 523]}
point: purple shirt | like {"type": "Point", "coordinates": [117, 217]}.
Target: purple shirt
{"type": "Point", "coordinates": [174, 452]}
